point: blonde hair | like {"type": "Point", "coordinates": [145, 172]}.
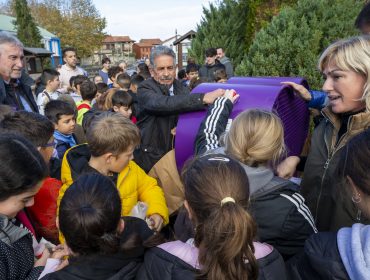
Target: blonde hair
{"type": "Point", "coordinates": [256, 137]}
{"type": "Point", "coordinates": [111, 133]}
{"type": "Point", "coordinates": [352, 54]}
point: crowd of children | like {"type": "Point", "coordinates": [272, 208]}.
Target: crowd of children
{"type": "Point", "coordinates": [75, 204]}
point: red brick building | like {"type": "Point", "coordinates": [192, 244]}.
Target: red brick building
{"type": "Point", "coordinates": [142, 49]}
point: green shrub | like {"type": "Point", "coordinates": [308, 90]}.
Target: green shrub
{"type": "Point", "coordinates": [292, 43]}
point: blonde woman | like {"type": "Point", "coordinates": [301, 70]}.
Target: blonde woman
{"type": "Point", "coordinates": [345, 66]}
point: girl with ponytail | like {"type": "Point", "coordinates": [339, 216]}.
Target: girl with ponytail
{"type": "Point", "coordinates": [102, 244]}
{"type": "Point", "coordinates": [216, 199]}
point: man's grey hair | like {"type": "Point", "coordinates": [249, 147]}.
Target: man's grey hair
{"type": "Point", "coordinates": [159, 51]}
{"type": "Point", "coordinates": [8, 38]}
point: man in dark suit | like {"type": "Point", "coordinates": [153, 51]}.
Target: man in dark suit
{"type": "Point", "coordinates": [161, 99]}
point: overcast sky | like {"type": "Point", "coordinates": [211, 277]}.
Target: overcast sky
{"type": "Point", "coordinates": [151, 18]}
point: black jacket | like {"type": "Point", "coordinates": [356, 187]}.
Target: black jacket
{"type": "Point", "coordinates": [10, 99]}
{"type": "Point", "coordinates": [208, 71]}
{"type": "Point", "coordinates": [161, 265]}
{"type": "Point", "coordinates": [283, 219]}
{"type": "Point", "coordinates": [321, 185]}
{"type": "Point", "coordinates": [17, 260]}
{"type": "Point", "coordinates": [157, 114]}
{"type": "Point", "coordinates": [319, 260]}
{"type": "Point", "coordinates": [120, 266]}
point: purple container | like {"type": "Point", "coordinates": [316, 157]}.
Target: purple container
{"type": "Point", "coordinates": [264, 93]}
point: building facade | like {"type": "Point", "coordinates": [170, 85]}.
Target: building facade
{"type": "Point", "coordinates": [143, 48]}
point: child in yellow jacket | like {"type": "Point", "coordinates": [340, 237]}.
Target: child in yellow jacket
{"type": "Point", "coordinates": [111, 141]}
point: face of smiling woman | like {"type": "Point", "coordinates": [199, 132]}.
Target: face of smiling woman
{"type": "Point", "coordinates": [344, 89]}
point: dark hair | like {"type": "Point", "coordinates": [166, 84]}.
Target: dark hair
{"type": "Point", "coordinates": [143, 70]}
{"type": "Point", "coordinates": [72, 81]}
{"type": "Point", "coordinates": [211, 52]}
{"type": "Point", "coordinates": [56, 108]}
{"type": "Point", "coordinates": [191, 60]}
{"type": "Point", "coordinates": [101, 87]}
{"type": "Point", "coordinates": [69, 49]}
{"type": "Point", "coordinates": [90, 117]}
{"type": "Point", "coordinates": [181, 74]}
{"type": "Point", "coordinates": [124, 81]}
{"type": "Point", "coordinates": [355, 159]}
{"type": "Point", "coordinates": [89, 215]}
{"type": "Point", "coordinates": [34, 127]}
{"type": "Point", "coordinates": [113, 71]}
{"type": "Point", "coordinates": [224, 231]}
{"type": "Point", "coordinates": [21, 166]}
{"type": "Point", "coordinates": [88, 90]}
{"type": "Point", "coordinates": [121, 98]}
{"type": "Point", "coordinates": [79, 79]}
{"type": "Point", "coordinates": [48, 75]}
{"type": "Point", "coordinates": [220, 74]}
{"type": "Point", "coordinates": [192, 68]}
{"type": "Point", "coordinates": [105, 60]}
{"type": "Point", "coordinates": [66, 97]}
{"type": "Point", "coordinates": [196, 81]}
{"type": "Point", "coordinates": [136, 79]}
{"type": "Point", "coordinates": [363, 18]}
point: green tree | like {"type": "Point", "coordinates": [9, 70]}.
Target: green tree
{"type": "Point", "coordinates": [223, 24]}
{"type": "Point", "coordinates": [76, 22]}
{"type": "Point", "coordinates": [260, 13]}
{"type": "Point", "coordinates": [232, 24]}
{"type": "Point", "coordinates": [27, 30]}
{"type": "Point", "coordinates": [291, 44]}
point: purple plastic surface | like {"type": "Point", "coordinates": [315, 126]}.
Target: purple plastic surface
{"type": "Point", "coordinates": [265, 93]}
{"type": "Point", "coordinates": [266, 80]}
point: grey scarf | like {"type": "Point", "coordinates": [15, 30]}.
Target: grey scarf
{"type": "Point", "coordinates": [9, 232]}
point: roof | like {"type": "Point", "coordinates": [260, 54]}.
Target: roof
{"type": "Point", "coordinates": [170, 39]}
{"type": "Point", "coordinates": [37, 51]}
{"type": "Point", "coordinates": [155, 41]}
{"type": "Point", "coordinates": [117, 39]}
{"type": "Point", "coordinates": [143, 45]}
{"type": "Point", "coordinates": [191, 34]}
{"type": "Point", "coordinates": [6, 24]}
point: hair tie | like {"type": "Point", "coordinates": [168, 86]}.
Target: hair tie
{"type": "Point", "coordinates": [227, 199]}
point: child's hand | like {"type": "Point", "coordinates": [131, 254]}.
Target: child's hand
{"type": "Point", "coordinates": [300, 90]}
{"type": "Point", "coordinates": [287, 167]}
{"type": "Point", "coordinates": [42, 260]}
{"type": "Point", "coordinates": [231, 95]}
{"type": "Point", "coordinates": [59, 252]}
{"type": "Point", "coordinates": [62, 265]}
{"type": "Point", "coordinates": [156, 222]}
